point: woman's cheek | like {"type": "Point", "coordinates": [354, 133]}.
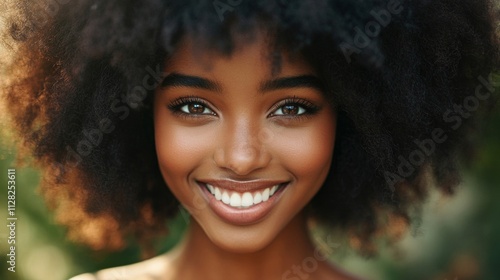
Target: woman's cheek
{"type": "Point", "coordinates": [306, 152]}
{"type": "Point", "coordinates": [180, 150]}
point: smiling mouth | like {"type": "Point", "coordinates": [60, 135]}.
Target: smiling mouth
{"type": "Point", "coordinates": [243, 200]}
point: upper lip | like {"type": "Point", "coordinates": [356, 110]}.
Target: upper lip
{"type": "Point", "coordinates": [243, 186]}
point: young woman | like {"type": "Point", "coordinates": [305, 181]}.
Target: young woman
{"type": "Point", "coordinates": [257, 117]}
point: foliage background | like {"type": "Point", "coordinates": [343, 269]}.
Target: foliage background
{"type": "Point", "coordinates": [456, 238]}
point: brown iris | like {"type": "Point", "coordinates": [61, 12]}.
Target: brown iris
{"type": "Point", "coordinates": [290, 109]}
{"type": "Point", "coordinates": [195, 108]}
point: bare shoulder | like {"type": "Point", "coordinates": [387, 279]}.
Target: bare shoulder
{"type": "Point", "coordinates": [152, 269]}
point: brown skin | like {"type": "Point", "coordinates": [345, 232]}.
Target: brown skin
{"type": "Point", "coordinates": [241, 132]}
{"type": "Point", "coordinates": [242, 142]}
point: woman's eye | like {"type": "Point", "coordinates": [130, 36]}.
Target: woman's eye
{"type": "Point", "coordinates": [294, 109]}
{"type": "Point", "coordinates": [190, 107]}
{"type": "Point", "coordinates": [290, 110]}
{"type": "Point", "coordinates": [196, 109]}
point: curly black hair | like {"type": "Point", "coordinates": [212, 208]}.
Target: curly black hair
{"type": "Point", "coordinates": [409, 81]}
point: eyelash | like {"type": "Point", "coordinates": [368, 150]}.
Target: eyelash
{"type": "Point", "coordinates": [176, 105]}
{"type": "Point", "coordinates": [309, 108]}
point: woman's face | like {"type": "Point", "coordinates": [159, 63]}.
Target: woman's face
{"type": "Point", "coordinates": [243, 150]}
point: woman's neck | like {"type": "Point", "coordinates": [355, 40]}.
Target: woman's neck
{"type": "Point", "coordinates": [197, 257]}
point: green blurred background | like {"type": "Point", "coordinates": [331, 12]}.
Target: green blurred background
{"type": "Point", "coordinates": [457, 237]}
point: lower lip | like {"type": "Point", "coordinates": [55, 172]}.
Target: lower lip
{"type": "Point", "coordinates": [244, 216]}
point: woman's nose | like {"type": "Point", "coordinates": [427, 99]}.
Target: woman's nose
{"type": "Point", "coordinates": [242, 149]}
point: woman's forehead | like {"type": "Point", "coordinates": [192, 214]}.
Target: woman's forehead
{"type": "Point", "coordinates": [249, 51]}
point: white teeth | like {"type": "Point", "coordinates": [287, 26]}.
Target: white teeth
{"type": "Point", "coordinates": [218, 195]}
{"type": "Point", "coordinates": [257, 198]}
{"type": "Point", "coordinates": [235, 200]}
{"type": "Point", "coordinates": [265, 195]}
{"type": "Point", "coordinates": [225, 198]}
{"type": "Point", "coordinates": [244, 200]}
{"type": "Point", "coordinates": [211, 188]}
{"type": "Point", "coordinates": [273, 190]}
{"type": "Point", "coordinates": [247, 199]}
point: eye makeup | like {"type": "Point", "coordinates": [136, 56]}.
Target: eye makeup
{"type": "Point", "coordinates": [290, 108]}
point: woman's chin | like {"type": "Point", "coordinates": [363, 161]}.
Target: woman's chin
{"type": "Point", "coordinates": [241, 240]}
{"type": "Point", "coordinates": [240, 245]}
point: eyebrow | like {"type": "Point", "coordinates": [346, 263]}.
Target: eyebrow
{"type": "Point", "coordinates": [181, 80]}
{"type": "Point", "coordinates": [308, 81]}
